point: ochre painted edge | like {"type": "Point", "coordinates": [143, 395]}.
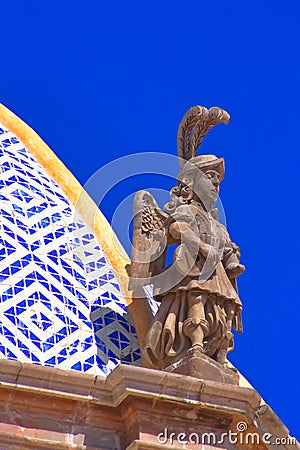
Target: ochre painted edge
{"type": "Point", "coordinates": [73, 190]}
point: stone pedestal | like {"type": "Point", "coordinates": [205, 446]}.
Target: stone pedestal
{"type": "Point", "coordinates": [198, 365]}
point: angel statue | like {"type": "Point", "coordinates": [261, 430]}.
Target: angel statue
{"type": "Point", "coordinates": [197, 292]}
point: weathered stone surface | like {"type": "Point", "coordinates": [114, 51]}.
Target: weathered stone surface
{"type": "Point", "coordinates": [198, 365]}
{"type": "Point", "coordinates": [198, 293]}
{"type": "Point", "coordinates": [133, 408]}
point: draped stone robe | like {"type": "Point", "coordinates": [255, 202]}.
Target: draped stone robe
{"type": "Point", "coordinates": [166, 340]}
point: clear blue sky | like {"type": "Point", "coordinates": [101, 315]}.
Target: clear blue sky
{"type": "Point", "coordinates": [100, 80]}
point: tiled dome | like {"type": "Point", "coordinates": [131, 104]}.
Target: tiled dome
{"type": "Point", "coordinates": [60, 300]}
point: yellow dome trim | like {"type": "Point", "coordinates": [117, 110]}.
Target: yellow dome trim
{"type": "Point", "coordinates": [87, 208]}
{"type": "Point", "coordinates": [73, 190]}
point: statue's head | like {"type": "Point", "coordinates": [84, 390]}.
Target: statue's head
{"type": "Point", "coordinates": [203, 175]}
{"type": "Point", "coordinates": [200, 176]}
{"type": "Point", "coordinates": [208, 164]}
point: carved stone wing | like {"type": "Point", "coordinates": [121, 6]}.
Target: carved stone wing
{"type": "Point", "coordinates": [193, 127]}
{"type": "Point", "coordinates": [149, 235]}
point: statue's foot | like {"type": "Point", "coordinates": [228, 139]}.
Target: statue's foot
{"type": "Point", "coordinates": [196, 348]}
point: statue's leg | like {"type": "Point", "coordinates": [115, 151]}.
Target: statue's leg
{"type": "Point", "coordinates": [229, 308]}
{"type": "Point", "coordinates": [196, 326]}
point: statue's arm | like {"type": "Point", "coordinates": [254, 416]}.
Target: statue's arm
{"type": "Point", "coordinates": [181, 232]}
{"type": "Point", "coordinates": [231, 259]}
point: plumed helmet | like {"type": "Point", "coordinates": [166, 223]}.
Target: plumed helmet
{"type": "Point", "coordinates": [206, 162]}
{"type": "Point", "coordinates": [193, 127]}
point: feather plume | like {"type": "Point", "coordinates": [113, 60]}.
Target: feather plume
{"type": "Point", "coordinates": [193, 127]}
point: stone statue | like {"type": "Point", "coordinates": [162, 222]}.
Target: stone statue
{"type": "Point", "coordinates": [199, 302]}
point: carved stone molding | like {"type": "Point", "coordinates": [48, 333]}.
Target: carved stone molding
{"type": "Point", "coordinates": [47, 408]}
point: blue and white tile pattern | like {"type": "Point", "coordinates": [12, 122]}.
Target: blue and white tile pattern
{"type": "Point", "coordinates": [60, 302]}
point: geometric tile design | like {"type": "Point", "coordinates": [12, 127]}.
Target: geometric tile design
{"type": "Point", "coordinates": [60, 302]}
{"type": "Point", "coordinates": [154, 305]}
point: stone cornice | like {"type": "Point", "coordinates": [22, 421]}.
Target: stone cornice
{"type": "Point", "coordinates": [130, 395]}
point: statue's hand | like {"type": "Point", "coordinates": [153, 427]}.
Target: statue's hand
{"type": "Point", "coordinates": [210, 254]}
{"type": "Point", "coordinates": [207, 249]}
{"type": "Point", "coordinates": [233, 270]}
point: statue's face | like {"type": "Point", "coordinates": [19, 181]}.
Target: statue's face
{"type": "Point", "coordinates": [198, 184]}
{"type": "Point", "coordinates": [207, 187]}
{"type": "Point", "coordinates": [214, 178]}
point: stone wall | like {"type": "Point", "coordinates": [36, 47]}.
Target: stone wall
{"type": "Point", "coordinates": [133, 408]}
